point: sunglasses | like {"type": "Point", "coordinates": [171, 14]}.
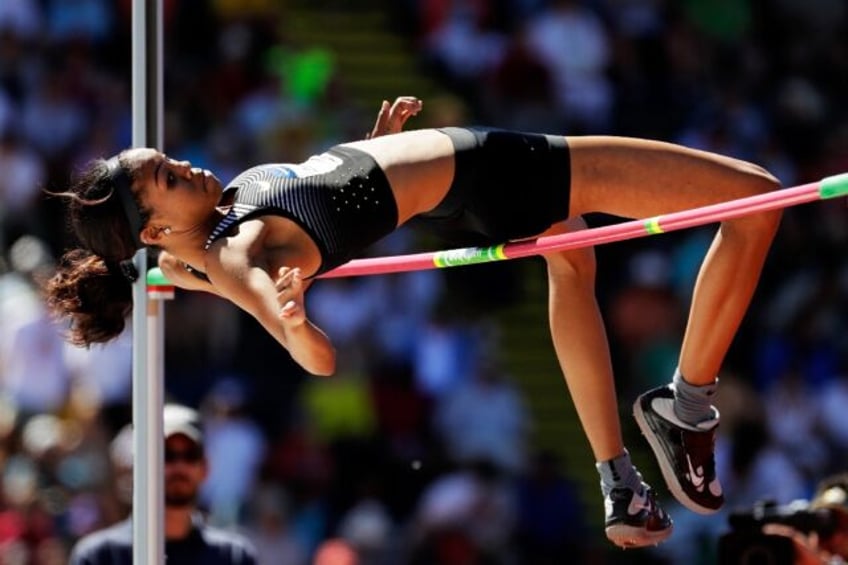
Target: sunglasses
{"type": "Point", "coordinates": [193, 455]}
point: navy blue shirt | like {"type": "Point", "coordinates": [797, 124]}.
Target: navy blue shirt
{"type": "Point", "coordinates": [205, 545]}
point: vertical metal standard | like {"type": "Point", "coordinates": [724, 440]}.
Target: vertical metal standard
{"type": "Point", "coordinates": [147, 389]}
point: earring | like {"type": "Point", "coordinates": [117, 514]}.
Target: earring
{"type": "Point", "coordinates": [166, 231]}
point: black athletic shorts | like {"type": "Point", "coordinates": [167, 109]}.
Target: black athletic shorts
{"type": "Point", "coordinates": [507, 185]}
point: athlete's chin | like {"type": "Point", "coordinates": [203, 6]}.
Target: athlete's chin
{"type": "Point", "coordinates": [211, 183]}
{"type": "Point", "coordinates": [214, 183]}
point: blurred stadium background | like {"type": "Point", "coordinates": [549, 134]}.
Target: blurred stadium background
{"type": "Point", "coordinates": [448, 435]}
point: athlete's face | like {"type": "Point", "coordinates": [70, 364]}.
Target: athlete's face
{"type": "Point", "coordinates": [178, 196]}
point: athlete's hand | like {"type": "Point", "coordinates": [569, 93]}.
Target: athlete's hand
{"type": "Point", "coordinates": [392, 117]}
{"type": "Point", "coordinates": [290, 288]}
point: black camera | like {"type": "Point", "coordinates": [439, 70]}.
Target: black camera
{"type": "Point", "coordinates": [746, 544]}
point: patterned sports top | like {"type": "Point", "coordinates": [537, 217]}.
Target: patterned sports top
{"type": "Point", "coordinates": [341, 198]}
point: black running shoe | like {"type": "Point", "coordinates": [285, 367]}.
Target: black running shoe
{"type": "Point", "coordinates": [685, 453]}
{"type": "Point", "coordinates": [635, 519]}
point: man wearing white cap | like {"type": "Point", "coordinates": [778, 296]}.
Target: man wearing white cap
{"type": "Point", "coordinates": [188, 540]}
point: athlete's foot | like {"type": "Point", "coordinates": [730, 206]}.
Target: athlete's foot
{"type": "Point", "coordinates": [685, 453]}
{"type": "Point", "coordinates": [635, 519]}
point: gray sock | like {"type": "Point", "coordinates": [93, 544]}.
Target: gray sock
{"type": "Point", "coordinates": [618, 472]}
{"type": "Point", "coordinates": [692, 403]}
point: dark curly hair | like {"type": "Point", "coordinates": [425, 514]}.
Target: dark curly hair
{"type": "Point", "coordinates": [89, 288]}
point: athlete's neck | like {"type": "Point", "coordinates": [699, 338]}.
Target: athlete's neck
{"type": "Point", "coordinates": [189, 244]}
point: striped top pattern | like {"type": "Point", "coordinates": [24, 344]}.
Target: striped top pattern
{"type": "Point", "coordinates": [340, 198]}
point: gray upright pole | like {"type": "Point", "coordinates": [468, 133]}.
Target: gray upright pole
{"type": "Point", "coordinates": [147, 390]}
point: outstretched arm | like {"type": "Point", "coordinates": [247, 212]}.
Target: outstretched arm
{"type": "Point", "coordinates": [392, 117]}
{"type": "Point", "coordinates": [246, 282]}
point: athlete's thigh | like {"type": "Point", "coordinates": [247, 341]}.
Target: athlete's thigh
{"type": "Point", "coordinates": [636, 178]}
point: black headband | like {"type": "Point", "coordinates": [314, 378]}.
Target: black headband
{"type": "Point", "coordinates": [122, 184]}
{"type": "Point", "coordinates": [125, 268]}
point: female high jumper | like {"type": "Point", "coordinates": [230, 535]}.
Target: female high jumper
{"type": "Point", "coordinates": [260, 241]}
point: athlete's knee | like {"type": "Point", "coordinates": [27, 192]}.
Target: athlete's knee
{"type": "Point", "coordinates": [573, 265]}
{"type": "Point", "coordinates": [757, 181]}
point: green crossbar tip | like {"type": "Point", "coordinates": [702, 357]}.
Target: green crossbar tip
{"type": "Point", "coordinates": [155, 277]}
{"type": "Point", "coordinates": [833, 187]}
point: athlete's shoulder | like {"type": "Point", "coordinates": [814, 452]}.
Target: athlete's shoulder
{"type": "Point", "coordinates": [270, 172]}
{"type": "Point", "coordinates": [266, 172]}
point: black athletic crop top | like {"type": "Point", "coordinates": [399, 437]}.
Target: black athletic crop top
{"type": "Point", "coordinates": [341, 198]}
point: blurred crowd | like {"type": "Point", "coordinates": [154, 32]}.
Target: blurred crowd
{"type": "Point", "coordinates": [420, 450]}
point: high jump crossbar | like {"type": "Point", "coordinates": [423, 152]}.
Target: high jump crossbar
{"type": "Point", "coordinates": [826, 188]}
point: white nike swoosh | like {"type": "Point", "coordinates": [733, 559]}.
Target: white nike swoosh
{"type": "Point", "coordinates": [696, 477]}
{"type": "Point", "coordinates": [263, 186]}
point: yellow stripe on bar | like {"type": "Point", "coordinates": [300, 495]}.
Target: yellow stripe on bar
{"type": "Point", "coordinates": [652, 225]}
{"type": "Point", "coordinates": [498, 252]}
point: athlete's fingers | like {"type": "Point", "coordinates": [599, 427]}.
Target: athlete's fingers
{"type": "Point", "coordinates": [296, 281]}
{"type": "Point", "coordinates": [289, 309]}
{"type": "Point", "coordinates": [381, 125]}
{"type": "Point", "coordinates": [411, 102]}
{"type": "Point", "coordinates": [284, 278]}
{"type": "Point", "coordinates": [403, 108]}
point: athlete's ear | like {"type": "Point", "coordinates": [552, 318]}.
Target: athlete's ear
{"type": "Point", "coordinates": [152, 235]}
